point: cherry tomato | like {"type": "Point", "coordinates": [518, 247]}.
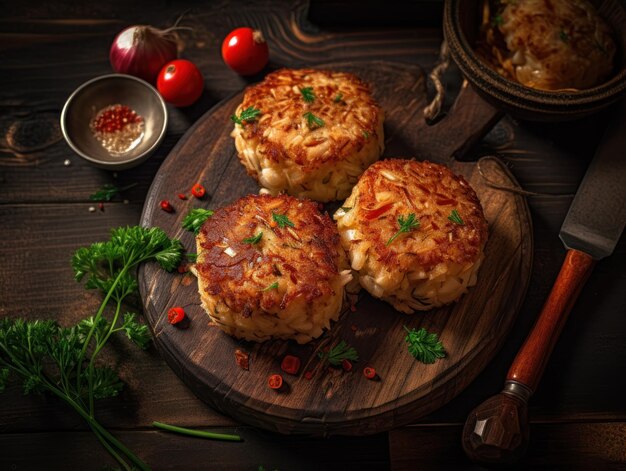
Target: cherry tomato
{"type": "Point", "coordinates": [290, 364]}
{"type": "Point", "coordinates": [245, 51]}
{"type": "Point", "coordinates": [198, 190]}
{"type": "Point", "coordinates": [166, 206]}
{"type": "Point", "coordinates": [275, 381]}
{"type": "Point", "coordinates": [175, 315]}
{"type": "Point", "coordinates": [180, 83]}
{"type": "Point", "coordinates": [369, 372]}
{"type": "Point", "coordinates": [346, 365]}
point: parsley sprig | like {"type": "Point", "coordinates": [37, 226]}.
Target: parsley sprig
{"type": "Point", "coordinates": [455, 217]}
{"type": "Point", "coordinates": [248, 115]}
{"type": "Point", "coordinates": [313, 121]}
{"type": "Point", "coordinates": [341, 351]}
{"type": "Point", "coordinates": [307, 94]}
{"type": "Point", "coordinates": [282, 220]}
{"type": "Point", "coordinates": [406, 225]}
{"type": "Point", "coordinates": [195, 219]}
{"type": "Point", "coordinates": [254, 239]}
{"type": "Point", "coordinates": [271, 287]}
{"type": "Point", "coordinates": [423, 345]}
{"type": "Point", "coordinates": [63, 361]}
{"type": "Point", "coordinates": [108, 192]}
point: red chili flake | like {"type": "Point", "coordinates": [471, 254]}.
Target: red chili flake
{"type": "Point", "coordinates": [166, 206]}
{"type": "Point", "coordinates": [369, 372]}
{"type": "Point", "coordinates": [242, 359]}
{"type": "Point", "coordinates": [353, 328]}
{"type": "Point", "coordinates": [183, 268]}
{"type": "Point", "coordinates": [101, 206]}
{"type": "Point", "coordinates": [290, 364]}
{"type": "Point", "coordinates": [198, 190]}
{"type": "Point", "coordinates": [346, 365]}
{"type": "Point", "coordinates": [374, 213]}
{"type": "Point", "coordinates": [275, 382]}
{"type": "Point", "coordinates": [308, 375]}
{"type": "Point", "coordinates": [182, 196]}
{"type": "Point", "coordinates": [175, 315]}
{"type": "Point", "coordinates": [115, 118]}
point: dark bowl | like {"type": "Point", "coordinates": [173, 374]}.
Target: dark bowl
{"type": "Point", "coordinates": [461, 21]}
{"type": "Point", "coordinates": [100, 92]}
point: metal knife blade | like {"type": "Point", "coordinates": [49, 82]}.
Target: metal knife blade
{"type": "Point", "coordinates": [597, 216]}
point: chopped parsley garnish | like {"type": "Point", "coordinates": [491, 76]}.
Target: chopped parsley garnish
{"type": "Point", "coordinates": [282, 220]}
{"type": "Point", "coordinates": [272, 286]}
{"type": "Point", "coordinates": [254, 239]}
{"type": "Point", "coordinates": [108, 191]}
{"type": "Point", "coordinates": [192, 257]}
{"type": "Point", "coordinates": [366, 134]}
{"type": "Point", "coordinates": [338, 98]}
{"type": "Point", "coordinates": [341, 351]}
{"type": "Point", "coordinates": [248, 115]}
{"type": "Point", "coordinates": [406, 225]}
{"type": "Point", "coordinates": [195, 218]}
{"type": "Point", "coordinates": [307, 94]}
{"type": "Point", "coordinates": [346, 208]}
{"type": "Point", "coordinates": [423, 345]}
{"type": "Point", "coordinates": [497, 20]}
{"type": "Point", "coordinates": [313, 121]}
{"type": "Point", "coordinates": [456, 218]}
{"type": "Point", "coordinates": [563, 36]}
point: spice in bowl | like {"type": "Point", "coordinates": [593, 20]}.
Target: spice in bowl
{"type": "Point", "coordinates": [118, 128]}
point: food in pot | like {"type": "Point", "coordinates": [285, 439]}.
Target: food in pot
{"type": "Point", "coordinates": [414, 233]}
{"type": "Point", "coordinates": [271, 267]}
{"type": "Point", "coordinates": [310, 133]}
{"type": "Point", "coordinates": [547, 44]}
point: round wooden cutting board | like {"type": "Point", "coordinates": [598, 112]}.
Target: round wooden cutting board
{"type": "Point", "coordinates": [334, 401]}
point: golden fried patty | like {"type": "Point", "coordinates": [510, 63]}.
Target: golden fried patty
{"type": "Point", "coordinates": [271, 267]}
{"type": "Point", "coordinates": [414, 232]}
{"type": "Point", "coordinates": [317, 131]}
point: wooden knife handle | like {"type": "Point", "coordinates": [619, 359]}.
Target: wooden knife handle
{"type": "Point", "coordinates": [532, 358]}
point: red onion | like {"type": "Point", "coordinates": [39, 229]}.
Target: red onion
{"type": "Point", "coordinates": [142, 51]}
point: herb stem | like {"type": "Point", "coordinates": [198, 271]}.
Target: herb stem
{"type": "Point", "coordinates": [197, 433]}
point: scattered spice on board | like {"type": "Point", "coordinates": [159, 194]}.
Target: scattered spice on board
{"type": "Point", "coordinates": [118, 128]}
{"type": "Point", "coordinates": [242, 359]}
{"type": "Point", "coordinates": [290, 364]}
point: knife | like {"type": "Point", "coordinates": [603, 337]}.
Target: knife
{"type": "Point", "coordinates": [497, 430]}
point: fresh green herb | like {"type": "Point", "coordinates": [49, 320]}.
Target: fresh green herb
{"type": "Point", "coordinates": [62, 360]}
{"type": "Point", "coordinates": [282, 220]}
{"type": "Point", "coordinates": [196, 218]}
{"type": "Point", "coordinates": [563, 36]}
{"type": "Point", "coordinates": [455, 217]}
{"type": "Point", "coordinates": [423, 345]}
{"type": "Point", "coordinates": [254, 239]}
{"type": "Point", "coordinates": [406, 225]}
{"type": "Point", "coordinates": [341, 351]}
{"type": "Point", "coordinates": [196, 433]}
{"type": "Point", "coordinates": [307, 94]}
{"type": "Point", "coordinates": [192, 257]}
{"type": "Point", "coordinates": [313, 121]}
{"type": "Point", "coordinates": [497, 20]}
{"type": "Point", "coordinates": [270, 287]}
{"type": "Point", "coordinates": [338, 98]}
{"type": "Point", "coordinates": [346, 208]}
{"type": "Point", "coordinates": [248, 115]}
{"type": "Point", "coordinates": [366, 134]}
{"type": "Point", "coordinates": [108, 192]}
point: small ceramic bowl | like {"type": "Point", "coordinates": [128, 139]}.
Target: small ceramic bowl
{"type": "Point", "coordinates": [461, 23]}
{"type": "Point", "coordinates": [100, 92]}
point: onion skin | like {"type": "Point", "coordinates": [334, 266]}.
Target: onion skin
{"type": "Point", "coordinates": [142, 51]}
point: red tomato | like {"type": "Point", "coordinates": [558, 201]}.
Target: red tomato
{"type": "Point", "coordinates": [245, 51]}
{"type": "Point", "coordinates": [180, 83]}
{"type": "Point", "coordinates": [175, 315]}
{"type": "Point", "coordinates": [369, 372]}
{"type": "Point", "coordinates": [275, 381]}
{"type": "Point", "coordinates": [290, 364]}
{"type": "Point", "coordinates": [198, 190]}
{"type": "Point", "coordinates": [166, 206]}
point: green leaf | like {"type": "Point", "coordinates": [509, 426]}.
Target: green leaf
{"type": "Point", "coordinates": [563, 36]}
{"type": "Point", "coordinates": [341, 351]}
{"type": "Point", "coordinates": [455, 217]}
{"type": "Point", "coordinates": [307, 94]}
{"type": "Point", "coordinates": [195, 219]}
{"type": "Point", "coordinates": [406, 225]}
{"type": "Point", "coordinates": [254, 239]}
{"type": "Point", "coordinates": [138, 333]}
{"type": "Point", "coordinates": [4, 379]}
{"type": "Point", "coordinates": [106, 383]}
{"type": "Point", "coordinates": [423, 345]}
{"type": "Point", "coordinates": [346, 208]}
{"type": "Point", "coordinates": [270, 287]}
{"type": "Point", "coordinates": [313, 121]}
{"type": "Point", "coordinates": [282, 220]}
{"type": "Point", "coordinates": [108, 192]}
{"type": "Point", "coordinates": [338, 98]}
{"type": "Point", "coordinates": [248, 115]}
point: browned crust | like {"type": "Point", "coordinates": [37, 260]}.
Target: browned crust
{"type": "Point", "coordinates": [277, 99]}
{"type": "Point", "coordinates": [305, 266]}
{"type": "Point", "coordinates": [423, 183]}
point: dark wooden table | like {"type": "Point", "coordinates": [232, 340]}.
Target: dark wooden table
{"type": "Point", "coordinates": [47, 49]}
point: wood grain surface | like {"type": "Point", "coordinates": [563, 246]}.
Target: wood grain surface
{"type": "Point", "coordinates": [333, 402]}
{"type": "Point", "coordinates": [47, 49]}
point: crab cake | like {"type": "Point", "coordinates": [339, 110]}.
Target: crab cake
{"type": "Point", "coordinates": [309, 133]}
{"type": "Point", "coordinates": [271, 267]}
{"type": "Point", "coordinates": [414, 232]}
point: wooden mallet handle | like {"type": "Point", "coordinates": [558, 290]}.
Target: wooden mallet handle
{"type": "Point", "coordinates": [497, 430]}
